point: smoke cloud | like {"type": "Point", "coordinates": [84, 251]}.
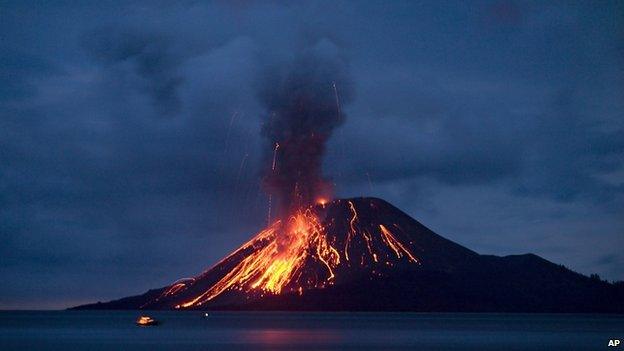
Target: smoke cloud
{"type": "Point", "coordinates": [303, 101]}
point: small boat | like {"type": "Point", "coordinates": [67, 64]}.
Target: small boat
{"type": "Point", "coordinates": [146, 321]}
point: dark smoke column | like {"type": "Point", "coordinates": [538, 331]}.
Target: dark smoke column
{"type": "Point", "coordinates": [303, 101]}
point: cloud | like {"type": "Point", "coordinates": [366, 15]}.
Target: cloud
{"type": "Point", "coordinates": [567, 151]}
{"type": "Point", "coordinates": [131, 136]}
{"type": "Point", "coordinates": [148, 56]}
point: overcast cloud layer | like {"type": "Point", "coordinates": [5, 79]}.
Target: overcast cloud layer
{"type": "Point", "coordinates": [131, 153]}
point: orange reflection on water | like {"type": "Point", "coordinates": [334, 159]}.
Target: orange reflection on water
{"type": "Point", "coordinates": [291, 336]}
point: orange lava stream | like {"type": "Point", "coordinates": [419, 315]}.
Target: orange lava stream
{"type": "Point", "coordinates": [395, 245]}
{"type": "Point", "coordinates": [352, 232]}
{"type": "Point", "coordinates": [274, 261]}
{"type": "Point", "coordinates": [271, 267]}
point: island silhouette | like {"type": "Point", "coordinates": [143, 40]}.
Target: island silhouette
{"type": "Point", "coordinates": [364, 254]}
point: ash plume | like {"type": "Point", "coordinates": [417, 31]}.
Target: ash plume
{"type": "Point", "coordinates": [303, 101]}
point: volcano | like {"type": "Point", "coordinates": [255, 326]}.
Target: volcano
{"type": "Point", "coordinates": [364, 254]}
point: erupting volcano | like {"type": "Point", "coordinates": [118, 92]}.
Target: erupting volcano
{"type": "Point", "coordinates": [360, 253]}
{"type": "Point", "coordinates": [312, 243]}
{"type": "Point", "coordinates": [312, 249]}
{"type": "Point", "coordinates": [364, 254]}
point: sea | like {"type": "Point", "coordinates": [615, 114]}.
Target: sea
{"type": "Point", "coordinates": [249, 331]}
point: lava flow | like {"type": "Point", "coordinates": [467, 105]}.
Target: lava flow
{"type": "Point", "coordinates": [280, 252]}
{"type": "Point", "coordinates": [309, 250]}
{"type": "Point", "coordinates": [316, 243]}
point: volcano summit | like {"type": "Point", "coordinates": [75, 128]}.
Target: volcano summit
{"type": "Point", "coordinates": [364, 254]}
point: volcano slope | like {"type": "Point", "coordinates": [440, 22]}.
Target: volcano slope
{"type": "Point", "coordinates": [364, 254]}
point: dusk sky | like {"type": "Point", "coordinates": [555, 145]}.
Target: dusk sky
{"type": "Point", "coordinates": [131, 151]}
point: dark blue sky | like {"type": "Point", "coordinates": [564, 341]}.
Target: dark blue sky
{"type": "Point", "coordinates": [131, 153]}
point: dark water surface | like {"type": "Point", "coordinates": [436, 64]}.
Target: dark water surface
{"type": "Point", "coordinates": [115, 330]}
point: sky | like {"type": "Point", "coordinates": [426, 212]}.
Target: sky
{"type": "Point", "coordinates": [131, 151]}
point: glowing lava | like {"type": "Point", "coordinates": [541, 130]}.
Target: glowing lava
{"type": "Point", "coordinates": [296, 255]}
{"type": "Point", "coordinates": [322, 201]}
{"type": "Point", "coordinates": [279, 253]}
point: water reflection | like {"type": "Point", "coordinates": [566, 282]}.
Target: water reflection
{"type": "Point", "coordinates": [181, 331]}
{"type": "Point", "coordinates": [279, 337]}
